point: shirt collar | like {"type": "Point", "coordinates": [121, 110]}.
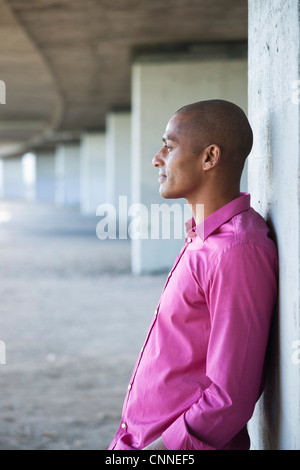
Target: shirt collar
{"type": "Point", "coordinates": [218, 218]}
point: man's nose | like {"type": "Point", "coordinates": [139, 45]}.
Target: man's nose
{"type": "Point", "coordinates": [157, 160]}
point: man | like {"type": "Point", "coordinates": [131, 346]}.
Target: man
{"type": "Point", "coordinates": [199, 374]}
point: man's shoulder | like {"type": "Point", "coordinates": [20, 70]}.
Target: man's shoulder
{"type": "Point", "coordinates": [244, 236]}
{"type": "Point", "coordinates": [251, 228]}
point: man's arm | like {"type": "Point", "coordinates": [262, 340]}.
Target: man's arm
{"type": "Point", "coordinates": [241, 293]}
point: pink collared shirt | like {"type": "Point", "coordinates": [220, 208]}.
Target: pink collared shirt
{"type": "Point", "coordinates": [199, 374]}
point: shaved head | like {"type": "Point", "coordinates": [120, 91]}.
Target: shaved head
{"type": "Point", "coordinates": [222, 123]}
{"type": "Point", "coordinates": [205, 146]}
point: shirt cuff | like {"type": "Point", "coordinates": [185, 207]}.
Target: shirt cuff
{"type": "Point", "coordinates": [121, 443]}
{"type": "Point", "coordinates": [177, 437]}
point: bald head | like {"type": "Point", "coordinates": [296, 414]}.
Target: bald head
{"type": "Point", "coordinates": [219, 122]}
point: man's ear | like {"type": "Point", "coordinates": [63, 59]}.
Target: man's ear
{"type": "Point", "coordinates": [211, 157]}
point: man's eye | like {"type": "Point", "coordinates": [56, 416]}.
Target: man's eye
{"type": "Point", "coordinates": [169, 148]}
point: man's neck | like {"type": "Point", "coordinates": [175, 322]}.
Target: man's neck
{"type": "Point", "coordinates": [207, 204]}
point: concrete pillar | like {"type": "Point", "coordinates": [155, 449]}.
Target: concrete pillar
{"type": "Point", "coordinates": [118, 160]}
{"type": "Point", "coordinates": [92, 172]}
{"type": "Point", "coordinates": [28, 169]}
{"type": "Point", "coordinates": [159, 88]}
{"type": "Point", "coordinates": [13, 182]}
{"type": "Point", "coordinates": [67, 171]}
{"type": "Point", "coordinates": [1, 178]}
{"type": "Point", "coordinates": [45, 176]}
{"type": "Point", "coordinates": [274, 112]}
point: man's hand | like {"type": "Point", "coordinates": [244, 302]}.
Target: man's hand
{"type": "Point", "coordinates": [156, 445]}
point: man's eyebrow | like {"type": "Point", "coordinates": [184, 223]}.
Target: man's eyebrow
{"type": "Point", "coordinates": [167, 137]}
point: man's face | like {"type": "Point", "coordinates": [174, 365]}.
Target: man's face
{"type": "Point", "coordinates": [178, 162]}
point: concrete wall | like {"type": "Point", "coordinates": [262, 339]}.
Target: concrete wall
{"type": "Point", "coordinates": [159, 88]}
{"type": "Point", "coordinates": [273, 181]}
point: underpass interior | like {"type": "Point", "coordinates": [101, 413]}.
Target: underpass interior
{"type": "Point", "coordinates": [73, 314]}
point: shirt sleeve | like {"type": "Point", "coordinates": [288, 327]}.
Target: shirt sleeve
{"type": "Point", "coordinates": [241, 293]}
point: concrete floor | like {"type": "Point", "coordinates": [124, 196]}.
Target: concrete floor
{"type": "Point", "coordinates": [73, 319]}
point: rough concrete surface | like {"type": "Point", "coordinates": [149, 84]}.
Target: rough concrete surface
{"type": "Point", "coordinates": [73, 319]}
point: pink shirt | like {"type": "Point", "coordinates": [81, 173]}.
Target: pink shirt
{"type": "Point", "coordinates": [199, 373]}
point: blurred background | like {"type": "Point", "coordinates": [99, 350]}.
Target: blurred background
{"type": "Point", "coordinates": [87, 89]}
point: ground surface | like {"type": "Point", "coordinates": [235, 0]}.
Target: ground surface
{"type": "Point", "coordinates": [73, 319]}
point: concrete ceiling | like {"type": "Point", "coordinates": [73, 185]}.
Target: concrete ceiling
{"type": "Point", "coordinates": [66, 63]}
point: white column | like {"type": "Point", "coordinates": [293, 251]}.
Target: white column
{"type": "Point", "coordinates": [29, 175]}
{"type": "Point", "coordinates": [92, 172]}
{"type": "Point", "coordinates": [274, 112]}
{"type": "Point", "coordinates": [159, 89]}
{"type": "Point", "coordinates": [13, 182]}
{"type": "Point", "coordinates": [118, 161]}
{"type": "Point", "coordinates": [67, 170]}
{"type": "Point", "coordinates": [1, 178]}
{"type": "Point", "coordinates": [45, 176]}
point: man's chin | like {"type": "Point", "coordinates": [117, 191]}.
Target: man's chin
{"type": "Point", "coordinates": [164, 193]}
{"type": "Point", "coordinates": [167, 194]}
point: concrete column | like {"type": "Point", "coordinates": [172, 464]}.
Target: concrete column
{"type": "Point", "coordinates": [13, 182]}
{"type": "Point", "coordinates": [274, 112]}
{"type": "Point", "coordinates": [45, 176]}
{"type": "Point", "coordinates": [118, 160]}
{"type": "Point", "coordinates": [159, 88]}
{"type": "Point", "coordinates": [1, 178]}
{"type": "Point", "coordinates": [67, 171]}
{"type": "Point", "coordinates": [92, 172]}
{"type": "Point", "coordinates": [29, 173]}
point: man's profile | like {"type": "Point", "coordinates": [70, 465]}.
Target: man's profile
{"type": "Point", "coordinates": [199, 373]}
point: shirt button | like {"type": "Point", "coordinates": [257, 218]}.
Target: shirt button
{"type": "Point", "coordinates": [129, 387]}
{"type": "Point", "coordinates": [123, 425]}
{"type": "Point", "coordinates": [189, 240]}
{"type": "Point", "coordinates": [156, 312]}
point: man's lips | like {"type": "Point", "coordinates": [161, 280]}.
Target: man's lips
{"type": "Point", "coordinates": [162, 177]}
